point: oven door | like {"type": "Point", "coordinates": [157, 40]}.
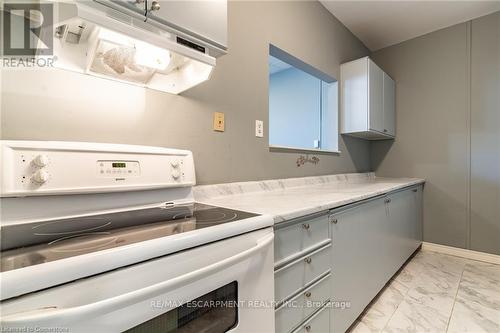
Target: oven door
{"type": "Point", "coordinates": [226, 286]}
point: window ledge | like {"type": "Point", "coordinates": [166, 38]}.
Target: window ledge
{"type": "Point", "coordinates": [308, 150]}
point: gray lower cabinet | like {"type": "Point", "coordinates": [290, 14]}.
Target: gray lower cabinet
{"type": "Point", "coordinates": [302, 274]}
{"type": "Point", "coordinates": [371, 241]}
{"type": "Point", "coordinates": [329, 266]}
{"type": "Point", "coordinates": [359, 267]}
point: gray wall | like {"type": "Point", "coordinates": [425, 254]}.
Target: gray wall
{"type": "Point", "coordinates": [60, 105]}
{"type": "Point", "coordinates": [448, 129]}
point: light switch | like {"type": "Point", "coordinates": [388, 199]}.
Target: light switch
{"type": "Point", "coordinates": [218, 122]}
{"type": "Point", "coordinates": [259, 128]}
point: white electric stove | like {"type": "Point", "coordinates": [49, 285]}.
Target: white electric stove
{"type": "Point", "coordinates": [108, 238]}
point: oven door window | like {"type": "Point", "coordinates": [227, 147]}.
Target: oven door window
{"type": "Point", "coordinates": [215, 312]}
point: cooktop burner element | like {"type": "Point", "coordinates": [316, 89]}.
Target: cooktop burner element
{"type": "Point", "coordinates": [30, 244]}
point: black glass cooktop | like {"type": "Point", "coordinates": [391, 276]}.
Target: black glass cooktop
{"type": "Point", "coordinates": [35, 243]}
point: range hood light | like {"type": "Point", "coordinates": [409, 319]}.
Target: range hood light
{"type": "Point", "coordinates": [151, 56]}
{"type": "Point", "coordinates": [115, 37]}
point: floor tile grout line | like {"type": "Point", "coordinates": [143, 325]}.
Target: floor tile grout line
{"type": "Point", "coordinates": [397, 307]}
{"type": "Point", "coordinates": [455, 299]}
{"type": "Point", "coordinates": [392, 315]}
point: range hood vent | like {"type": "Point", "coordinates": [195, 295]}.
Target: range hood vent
{"type": "Point", "coordinates": [98, 40]}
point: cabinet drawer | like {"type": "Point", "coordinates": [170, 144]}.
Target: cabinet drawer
{"type": "Point", "coordinates": [296, 237]}
{"type": "Point", "coordinates": [318, 323]}
{"type": "Point", "coordinates": [296, 275]}
{"type": "Point", "coordinates": [300, 307]}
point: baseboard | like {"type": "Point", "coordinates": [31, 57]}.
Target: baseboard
{"type": "Point", "coordinates": [464, 253]}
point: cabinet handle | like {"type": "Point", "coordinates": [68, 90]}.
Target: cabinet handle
{"type": "Point", "coordinates": [155, 6]}
{"type": "Point", "coordinates": [334, 221]}
{"type": "Point", "coordinates": [415, 190]}
{"type": "Point", "coordinates": [308, 260]}
{"type": "Point", "coordinates": [387, 200]}
{"type": "Point", "coordinates": [306, 226]}
{"type": "Point", "coordinates": [385, 131]}
{"type": "Point", "coordinates": [308, 328]}
{"type": "Point", "coordinates": [307, 294]}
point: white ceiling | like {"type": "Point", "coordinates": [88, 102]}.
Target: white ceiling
{"type": "Point", "coordinates": [383, 23]}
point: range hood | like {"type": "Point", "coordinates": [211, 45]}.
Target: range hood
{"type": "Point", "coordinates": [110, 39]}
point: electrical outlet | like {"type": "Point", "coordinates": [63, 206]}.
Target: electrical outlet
{"type": "Point", "coordinates": [259, 128]}
{"type": "Point", "coordinates": [218, 122]}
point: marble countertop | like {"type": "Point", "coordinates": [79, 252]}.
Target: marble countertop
{"type": "Point", "coordinates": [289, 198]}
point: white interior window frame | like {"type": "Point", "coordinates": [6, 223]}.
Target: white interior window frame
{"type": "Point", "coordinates": [286, 57]}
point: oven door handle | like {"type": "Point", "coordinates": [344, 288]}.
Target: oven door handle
{"type": "Point", "coordinates": [87, 311]}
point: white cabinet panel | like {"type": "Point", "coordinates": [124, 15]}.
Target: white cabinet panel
{"type": "Point", "coordinates": [293, 277]}
{"type": "Point", "coordinates": [375, 97]}
{"type": "Point", "coordinates": [400, 229]}
{"type": "Point", "coordinates": [292, 239]}
{"type": "Point", "coordinates": [404, 211]}
{"type": "Point", "coordinates": [367, 100]}
{"type": "Point", "coordinates": [357, 270]}
{"type": "Point", "coordinates": [389, 106]}
{"type": "Point", "coordinates": [371, 241]}
{"type": "Point", "coordinates": [294, 312]}
{"type": "Point", "coordinates": [354, 96]}
{"type": "Point", "coordinates": [207, 19]}
{"type": "Point", "coordinates": [319, 323]}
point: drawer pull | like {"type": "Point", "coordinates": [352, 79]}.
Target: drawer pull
{"type": "Point", "coordinates": [307, 294]}
{"type": "Point", "coordinates": [306, 226]}
{"type": "Point", "coordinates": [387, 200]}
{"type": "Point", "coordinates": [415, 190]}
{"type": "Point", "coordinates": [308, 260]}
{"type": "Point", "coordinates": [308, 328]}
{"type": "Point", "coordinates": [334, 221]}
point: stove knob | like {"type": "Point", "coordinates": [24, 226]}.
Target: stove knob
{"type": "Point", "coordinates": [174, 164]}
{"type": "Point", "coordinates": [41, 176]}
{"type": "Point", "coordinates": [176, 174]}
{"type": "Point", "coordinates": [41, 161]}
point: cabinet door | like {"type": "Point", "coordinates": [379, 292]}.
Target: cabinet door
{"type": "Point", "coordinates": [418, 213]}
{"type": "Point", "coordinates": [389, 106]}
{"type": "Point", "coordinates": [405, 225]}
{"type": "Point", "coordinates": [375, 97]}
{"type": "Point", "coordinates": [206, 19]}
{"type": "Point", "coordinates": [354, 96]}
{"type": "Point", "coordinates": [124, 6]}
{"type": "Point", "coordinates": [357, 266]}
{"type": "Point", "coordinates": [400, 229]}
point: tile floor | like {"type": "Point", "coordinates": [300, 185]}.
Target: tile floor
{"type": "Point", "coordinates": [435, 292]}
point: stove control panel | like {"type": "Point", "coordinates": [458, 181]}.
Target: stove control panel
{"type": "Point", "coordinates": [118, 169]}
{"type": "Point", "coordinates": [51, 168]}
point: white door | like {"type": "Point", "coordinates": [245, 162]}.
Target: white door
{"type": "Point", "coordinates": [389, 106]}
{"type": "Point", "coordinates": [375, 97]}
{"type": "Point", "coordinates": [226, 286]}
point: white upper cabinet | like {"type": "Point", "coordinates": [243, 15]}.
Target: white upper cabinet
{"type": "Point", "coordinates": [205, 19]}
{"type": "Point", "coordinates": [367, 100]}
{"type": "Point", "coordinates": [202, 21]}
{"type": "Point", "coordinates": [389, 106]}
